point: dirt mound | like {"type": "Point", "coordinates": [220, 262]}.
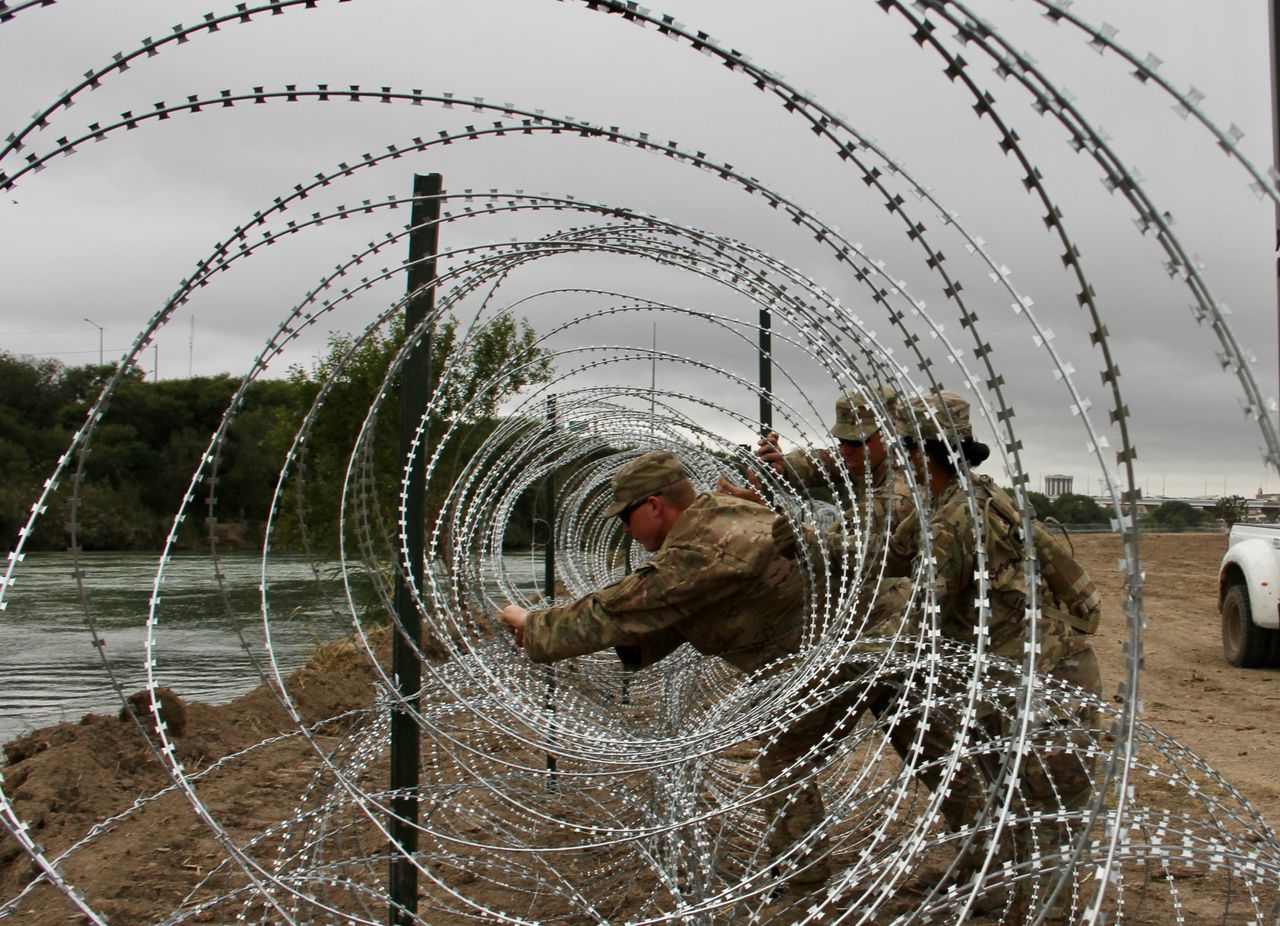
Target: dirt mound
{"type": "Point", "coordinates": [67, 778]}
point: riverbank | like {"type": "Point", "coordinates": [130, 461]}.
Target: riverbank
{"type": "Point", "coordinates": [67, 778]}
{"type": "Point", "coordinates": [71, 776]}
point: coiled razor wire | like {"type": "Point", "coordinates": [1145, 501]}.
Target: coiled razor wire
{"type": "Point", "coordinates": [654, 810]}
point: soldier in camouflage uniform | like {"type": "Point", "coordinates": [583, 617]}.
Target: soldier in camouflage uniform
{"type": "Point", "coordinates": [1058, 776]}
{"type": "Point", "coordinates": [716, 582]}
{"type": "Point", "coordinates": [882, 495]}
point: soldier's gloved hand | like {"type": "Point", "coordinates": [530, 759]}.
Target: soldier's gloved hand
{"type": "Point", "coordinates": [784, 536]}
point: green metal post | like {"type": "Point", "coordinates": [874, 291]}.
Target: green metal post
{"type": "Point", "coordinates": [766, 370]}
{"type": "Point", "coordinates": [415, 394]}
{"type": "Point", "coordinates": [549, 575]}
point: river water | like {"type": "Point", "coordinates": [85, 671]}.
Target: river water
{"type": "Point", "coordinates": [50, 667]}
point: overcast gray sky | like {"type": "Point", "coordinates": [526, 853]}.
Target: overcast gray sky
{"type": "Point", "coordinates": [108, 233]}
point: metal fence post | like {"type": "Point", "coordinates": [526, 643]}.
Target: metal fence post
{"type": "Point", "coordinates": [549, 576]}
{"type": "Point", "coordinates": [415, 394]}
{"type": "Point", "coordinates": [766, 370]}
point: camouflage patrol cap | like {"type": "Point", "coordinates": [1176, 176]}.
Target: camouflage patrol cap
{"type": "Point", "coordinates": [952, 413]}
{"type": "Point", "coordinates": [856, 417]}
{"type": "Point", "coordinates": [646, 475]}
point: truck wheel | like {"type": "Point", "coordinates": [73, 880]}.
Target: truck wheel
{"type": "Point", "coordinates": [1244, 643]}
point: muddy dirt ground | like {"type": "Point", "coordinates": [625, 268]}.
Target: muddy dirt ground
{"type": "Point", "coordinates": [67, 778]}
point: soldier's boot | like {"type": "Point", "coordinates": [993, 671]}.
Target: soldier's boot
{"type": "Point", "coordinates": [1052, 844]}
{"type": "Point", "coordinates": [1058, 782]}
{"type": "Point", "coordinates": [962, 808]}
{"type": "Point", "coordinates": [793, 818]}
{"type": "Point", "coordinates": [995, 893]}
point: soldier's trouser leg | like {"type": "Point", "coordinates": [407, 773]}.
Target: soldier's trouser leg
{"type": "Point", "coordinates": [969, 792]}
{"type": "Point", "coordinates": [1072, 764]}
{"type": "Point", "coordinates": [788, 764]}
{"type": "Point", "coordinates": [1059, 775]}
{"type": "Point", "coordinates": [968, 787]}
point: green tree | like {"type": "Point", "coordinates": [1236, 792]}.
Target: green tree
{"type": "Point", "coordinates": [1175, 515]}
{"type": "Point", "coordinates": [32, 393]}
{"type": "Point", "coordinates": [471, 375]}
{"type": "Point", "coordinates": [1042, 504]}
{"type": "Point", "coordinates": [153, 436]}
{"type": "Point", "coordinates": [252, 458]}
{"type": "Point", "coordinates": [141, 457]}
{"type": "Point", "coordinates": [31, 388]}
{"type": "Point", "coordinates": [1231, 509]}
{"type": "Point", "coordinates": [1070, 508]}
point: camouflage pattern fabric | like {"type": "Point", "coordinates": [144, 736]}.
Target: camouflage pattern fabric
{"type": "Point", "coordinates": [1067, 587]}
{"type": "Point", "coordinates": [716, 583]}
{"type": "Point", "coordinates": [648, 474]}
{"type": "Point", "coordinates": [1055, 776]}
{"type": "Point", "coordinates": [856, 414]}
{"type": "Point", "coordinates": [889, 503]}
{"type": "Point", "coordinates": [880, 512]}
{"type": "Point", "coordinates": [875, 514]}
{"type": "Point", "coordinates": [967, 794]}
{"type": "Point", "coordinates": [809, 469]}
{"type": "Point", "coordinates": [787, 762]}
{"type": "Point", "coordinates": [953, 546]}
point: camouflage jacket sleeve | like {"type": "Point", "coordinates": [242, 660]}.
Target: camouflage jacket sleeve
{"type": "Point", "coordinates": [951, 544]}
{"type": "Point", "coordinates": [638, 612]}
{"type": "Point", "coordinates": [889, 609]}
{"type": "Point", "coordinates": [890, 509]}
{"type": "Point", "coordinates": [952, 564]}
{"type": "Point", "coordinates": [1069, 588]}
{"type": "Point", "coordinates": [808, 469]}
{"type": "Point", "coordinates": [903, 545]}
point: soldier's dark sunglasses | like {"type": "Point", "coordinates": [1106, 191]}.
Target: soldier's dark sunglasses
{"type": "Point", "coordinates": [625, 514]}
{"type": "Point", "coordinates": [854, 444]}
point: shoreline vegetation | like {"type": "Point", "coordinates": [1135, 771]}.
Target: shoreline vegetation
{"type": "Point", "coordinates": [139, 461]}
{"type": "Point", "coordinates": [143, 453]}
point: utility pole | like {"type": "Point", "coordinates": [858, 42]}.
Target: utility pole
{"type": "Point", "coordinates": [653, 381]}
{"type": "Point", "coordinates": [99, 327]}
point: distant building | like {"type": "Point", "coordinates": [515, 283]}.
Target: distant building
{"type": "Point", "coordinates": [1057, 484]}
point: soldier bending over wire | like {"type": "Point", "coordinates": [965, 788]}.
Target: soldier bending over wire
{"type": "Point", "coordinates": [716, 582]}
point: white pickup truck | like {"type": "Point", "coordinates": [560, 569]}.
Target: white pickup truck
{"type": "Point", "coordinates": [1249, 596]}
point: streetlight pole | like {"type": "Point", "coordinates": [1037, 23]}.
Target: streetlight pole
{"type": "Point", "coordinates": [99, 327]}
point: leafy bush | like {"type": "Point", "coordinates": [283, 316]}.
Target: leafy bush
{"type": "Point", "coordinates": [1078, 509]}
{"type": "Point", "coordinates": [1174, 515]}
